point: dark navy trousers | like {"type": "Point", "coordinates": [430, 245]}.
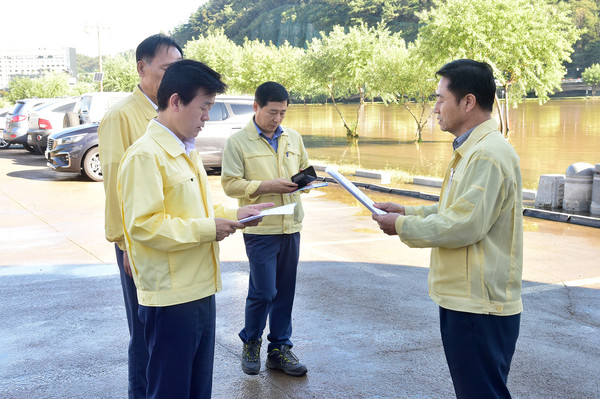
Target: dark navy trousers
{"type": "Point", "coordinates": [181, 344]}
{"type": "Point", "coordinates": [272, 286]}
{"type": "Point", "coordinates": [137, 352]}
{"type": "Point", "coordinates": [479, 349]}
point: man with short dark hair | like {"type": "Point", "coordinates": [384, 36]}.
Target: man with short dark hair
{"type": "Point", "coordinates": [258, 163]}
{"type": "Point", "coordinates": [476, 235]}
{"type": "Point", "coordinates": [172, 231]}
{"type": "Point", "coordinates": [123, 124]}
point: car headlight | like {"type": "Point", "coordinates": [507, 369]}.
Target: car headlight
{"type": "Point", "coordinates": [70, 139]}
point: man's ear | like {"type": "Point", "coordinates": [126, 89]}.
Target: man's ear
{"type": "Point", "coordinates": [141, 67]}
{"type": "Point", "coordinates": [175, 102]}
{"type": "Point", "coordinates": [470, 101]}
{"type": "Point", "coordinates": [255, 106]}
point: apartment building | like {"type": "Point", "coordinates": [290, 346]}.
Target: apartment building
{"type": "Point", "coordinates": [36, 63]}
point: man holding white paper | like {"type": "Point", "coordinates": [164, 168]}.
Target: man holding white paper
{"type": "Point", "coordinates": [171, 230]}
{"type": "Point", "coordinates": [258, 163]}
{"type": "Point", "coordinates": [476, 235]}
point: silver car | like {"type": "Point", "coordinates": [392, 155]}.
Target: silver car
{"type": "Point", "coordinates": [3, 113]}
{"type": "Point", "coordinates": [17, 120]}
{"type": "Point", "coordinates": [47, 119]}
{"type": "Point", "coordinates": [227, 116]}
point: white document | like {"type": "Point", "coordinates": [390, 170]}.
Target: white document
{"type": "Point", "coordinates": [280, 210]}
{"type": "Point", "coordinates": [352, 189]}
{"type": "Point", "coordinates": [311, 186]}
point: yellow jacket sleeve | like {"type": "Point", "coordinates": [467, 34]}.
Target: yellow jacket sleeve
{"type": "Point", "coordinates": [112, 145]}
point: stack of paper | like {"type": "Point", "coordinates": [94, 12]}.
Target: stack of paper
{"type": "Point", "coordinates": [352, 189]}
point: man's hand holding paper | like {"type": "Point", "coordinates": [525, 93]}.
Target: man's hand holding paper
{"type": "Point", "coordinates": [252, 210]}
{"type": "Point", "coordinates": [387, 222]}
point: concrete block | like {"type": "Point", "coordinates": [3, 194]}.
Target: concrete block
{"type": "Point", "coordinates": [383, 177]}
{"type": "Point", "coordinates": [578, 187]}
{"type": "Point", "coordinates": [529, 195]}
{"type": "Point", "coordinates": [550, 192]}
{"type": "Point", "coordinates": [428, 181]}
{"type": "Point", "coordinates": [595, 205]}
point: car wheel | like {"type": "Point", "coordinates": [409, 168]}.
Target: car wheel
{"type": "Point", "coordinates": [91, 164]}
{"type": "Point", "coordinates": [71, 119]}
{"type": "Point", "coordinates": [4, 144]}
{"type": "Point", "coordinates": [29, 148]}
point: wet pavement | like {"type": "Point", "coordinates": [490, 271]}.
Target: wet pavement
{"type": "Point", "coordinates": [363, 322]}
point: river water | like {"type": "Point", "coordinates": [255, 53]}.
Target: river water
{"type": "Point", "coordinates": [548, 138]}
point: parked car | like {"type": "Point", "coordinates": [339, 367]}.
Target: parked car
{"type": "Point", "coordinates": [227, 116]}
{"type": "Point", "coordinates": [3, 112]}
{"type": "Point", "coordinates": [92, 107]}
{"type": "Point", "coordinates": [16, 120]}
{"type": "Point", "coordinates": [47, 119]}
{"type": "Point", "coordinates": [76, 149]}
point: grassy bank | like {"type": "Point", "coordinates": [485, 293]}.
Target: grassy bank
{"type": "Point", "coordinates": [398, 177]}
{"type": "Point", "coordinates": [347, 168]}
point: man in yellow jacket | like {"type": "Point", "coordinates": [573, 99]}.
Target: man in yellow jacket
{"type": "Point", "coordinates": [123, 124]}
{"type": "Point", "coordinates": [258, 163]}
{"type": "Point", "coordinates": [476, 232]}
{"type": "Point", "coordinates": [171, 231]}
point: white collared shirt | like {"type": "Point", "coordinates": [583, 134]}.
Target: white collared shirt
{"type": "Point", "coordinates": [186, 145]}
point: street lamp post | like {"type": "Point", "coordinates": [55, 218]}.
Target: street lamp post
{"type": "Point", "coordinates": [98, 27]}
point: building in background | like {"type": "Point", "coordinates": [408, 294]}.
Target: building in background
{"type": "Point", "coordinates": [36, 63]}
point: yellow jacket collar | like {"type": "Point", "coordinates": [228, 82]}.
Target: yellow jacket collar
{"type": "Point", "coordinates": [145, 106]}
{"type": "Point", "coordinates": [487, 127]}
{"type": "Point", "coordinates": [252, 133]}
{"type": "Point", "coordinates": [164, 139]}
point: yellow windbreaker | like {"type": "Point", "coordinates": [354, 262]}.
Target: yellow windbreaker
{"type": "Point", "coordinates": [123, 124]}
{"type": "Point", "coordinates": [168, 218]}
{"type": "Point", "coordinates": [249, 159]}
{"type": "Point", "coordinates": [476, 229]}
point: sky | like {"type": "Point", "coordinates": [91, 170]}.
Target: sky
{"type": "Point", "coordinates": [67, 23]}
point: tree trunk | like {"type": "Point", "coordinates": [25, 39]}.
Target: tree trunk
{"type": "Point", "coordinates": [349, 131]}
{"type": "Point", "coordinates": [506, 121]}
{"type": "Point", "coordinates": [419, 121]}
{"type": "Point", "coordinates": [500, 115]}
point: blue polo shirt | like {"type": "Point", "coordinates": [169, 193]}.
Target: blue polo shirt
{"type": "Point", "coordinates": [274, 141]}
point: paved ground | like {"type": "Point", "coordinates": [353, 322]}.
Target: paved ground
{"type": "Point", "coordinates": [363, 322]}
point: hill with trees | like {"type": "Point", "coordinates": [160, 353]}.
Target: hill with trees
{"type": "Point", "coordinates": [298, 21]}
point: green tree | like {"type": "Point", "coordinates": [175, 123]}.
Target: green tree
{"type": "Point", "coordinates": [48, 86]}
{"type": "Point", "coordinates": [405, 78]}
{"type": "Point", "coordinates": [220, 53]}
{"type": "Point", "coordinates": [343, 63]}
{"type": "Point", "coordinates": [525, 41]}
{"type": "Point", "coordinates": [261, 62]}
{"type": "Point", "coordinates": [586, 14]}
{"type": "Point", "coordinates": [120, 73]}
{"type": "Point", "coordinates": [591, 76]}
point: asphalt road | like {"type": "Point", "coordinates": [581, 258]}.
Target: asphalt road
{"type": "Point", "coordinates": [363, 322]}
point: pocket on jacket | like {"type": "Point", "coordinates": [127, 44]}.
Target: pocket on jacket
{"type": "Point", "coordinates": [178, 178]}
